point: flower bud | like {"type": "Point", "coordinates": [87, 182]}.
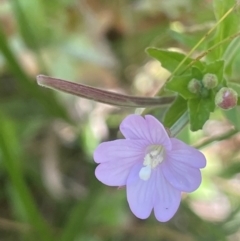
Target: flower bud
{"type": "Point", "coordinates": [210, 81]}
{"type": "Point", "coordinates": [226, 98]}
{"type": "Point", "coordinates": [194, 86]}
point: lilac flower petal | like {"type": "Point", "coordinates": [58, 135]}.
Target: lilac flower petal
{"type": "Point", "coordinates": [184, 153]}
{"type": "Point", "coordinates": [148, 128]}
{"type": "Point", "coordinates": [167, 198]}
{"type": "Point", "coordinates": [140, 194]}
{"type": "Point", "coordinates": [120, 150]}
{"type": "Point", "coordinates": [113, 174]}
{"type": "Point", "coordinates": [117, 158]}
{"type": "Point", "coordinates": [158, 132]}
{"type": "Point", "coordinates": [134, 127]}
{"type": "Point", "coordinates": [182, 177]}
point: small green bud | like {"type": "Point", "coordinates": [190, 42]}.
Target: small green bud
{"type": "Point", "coordinates": [194, 86]}
{"type": "Point", "coordinates": [210, 81]}
{"type": "Point", "coordinates": [226, 98]}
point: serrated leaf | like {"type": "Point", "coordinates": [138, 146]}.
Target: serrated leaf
{"type": "Point", "coordinates": [175, 111]}
{"type": "Point", "coordinates": [170, 60]}
{"type": "Point", "coordinates": [216, 68]}
{"type": "Point", "coordinates": [199, 112]}
{"type": "Point", "coordinates": [179, 84]}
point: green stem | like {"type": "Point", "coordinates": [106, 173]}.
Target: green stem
{"type": "Point", "coordinates": [179, 124]}
{"type": "Point", "coordinates": [218, 138]}
{"type": "Point", "coordinates": [203, 38]}
{"type": "Point", "coordinates": [212, 48]}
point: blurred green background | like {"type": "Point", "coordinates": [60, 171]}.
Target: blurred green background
{"type": "Point", "coordinates": [48, 187]}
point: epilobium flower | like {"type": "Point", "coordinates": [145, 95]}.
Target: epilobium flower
{"type": "Point", "coordinates": [154, 167]}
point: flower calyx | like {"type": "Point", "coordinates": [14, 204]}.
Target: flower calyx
{"type": "Point", "coordinates": [210, 81]}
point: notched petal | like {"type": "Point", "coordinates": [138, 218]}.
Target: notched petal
{"type": "Point", "coordinates": [116, 159]}
{"type": "Point", "coordinates": [148, 128]}
{"type": "Point", "coordinates": [157, 132]}
{"type": "Point", "coordinates": [167, 199]}
{"type": "Point", "coordinates": [134, 127]}
{"type": "Point", "coordinates": [140, 194]}
{"type": "Point", "coordinates": [182, 177]}
{"type": "Point", "coordinates": [127, 150]}
{"type": "Point", "coordinates": [186, 154]}
{"type": "Point", "coordinates": [113, 174]}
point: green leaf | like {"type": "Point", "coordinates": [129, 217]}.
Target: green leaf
{"type": "Point", "coordinates": [170, 60]}
{"type": "Point", "coordinates": [179, 84]}
{"type": "Point", "coordinates": [196, 73]}
{"type": "Point", "coordinates": [10, 150]}
{"type": "Point", "coordinates": [27, 85]}
{"type": "Point", "coordinates": [234, 86]}
{"type": "Point", "coordinates": [199, 112]}
{"type": "Point", "coordinates": [187, 39]}
{"type": "Point", "coordinates": [28, 20]}
{"type": "Point", "coordinates": [175, 111]}
{"type": "Point", "coordinates": [233, 116]}
{"type": "Point", "coordinates": [231, 53]}
{"type": "Point", "coordinates": [216, 68]}
{"type": "Point", "coordinates": [76, 222]}
{"type": "Point", "coordinates": [230, 170]}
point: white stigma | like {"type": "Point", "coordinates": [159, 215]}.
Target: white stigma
{"type": "Point", "coordinates": [154, 156]}
{"type": "Point", "coordinates": [145, 173]}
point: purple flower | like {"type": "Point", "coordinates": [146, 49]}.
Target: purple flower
{"type": "Point", "coordinates": [154, 167]}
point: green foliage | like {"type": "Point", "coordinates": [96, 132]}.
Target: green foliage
{"type": "Point", "coordinates": [201, 103]}
{"type": "Point", "coordinates": [48, 189]}
{"type": "Point", "coordinates": [216, 68]}
{"type": "Point", "coordinates": [180, 84]}
{"type": "Point", "coordinates": [170, 60]}
{"type": "Point", "coordinates": [199, 111]}
{"type": "Point", "coordinates": [224, 29]}
{"type": "Point", "coordinates": [175, 111]}
{"type": "Point", "coordinates": [9, 148]}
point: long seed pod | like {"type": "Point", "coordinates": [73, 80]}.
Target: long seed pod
{"type": "Point", "coordinates": [102, 96]}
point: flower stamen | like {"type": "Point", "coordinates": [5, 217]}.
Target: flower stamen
{"type": "Point", "coordinates": [154, 156]}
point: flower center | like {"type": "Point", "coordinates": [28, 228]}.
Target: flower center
{"type": "Point", "coordinates": [154, 156]}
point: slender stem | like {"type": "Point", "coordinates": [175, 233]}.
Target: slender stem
{"type": "Point", "coordinates": [179, 124]}
{"type": "Point", "coordinates": [218, 138]}
{"type": "Point", "coordinates": [203, 38]}
{"type": "Point", "coordinates": [212, 48]}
